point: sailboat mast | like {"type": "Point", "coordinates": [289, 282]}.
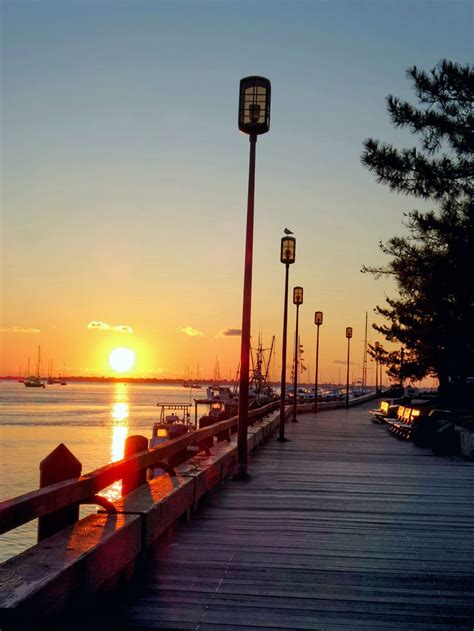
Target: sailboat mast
{"type": "Point", "coordinates": [364, 362]}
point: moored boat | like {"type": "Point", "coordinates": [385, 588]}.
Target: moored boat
{"type": "Point", "coordinates": [34, 381]}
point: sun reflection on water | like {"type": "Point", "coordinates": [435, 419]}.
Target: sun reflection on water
{"type": "Point", "coordinates": [119, 412]}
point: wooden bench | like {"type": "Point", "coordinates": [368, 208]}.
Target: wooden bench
{"type": "Point", "coordinates": [402, 425]}
{"type": "Point", "coordinates": [411, 419]}
{"type": "Point", "coordinates": [387, 410]}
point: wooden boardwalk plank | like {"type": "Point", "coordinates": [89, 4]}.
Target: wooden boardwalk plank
{"type": "Point", "coordinates": [344, 527]}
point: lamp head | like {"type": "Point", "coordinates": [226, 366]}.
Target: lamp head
{"type": "Point", "coordinates": [297, 295]}
{"type": "Point", "coordinates": [288, 250]}
{"type": "Point", "coordinates": [254, 105]}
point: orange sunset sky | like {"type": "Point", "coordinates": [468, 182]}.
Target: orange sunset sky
{"type": "Point", "coordinates": [124, 177]}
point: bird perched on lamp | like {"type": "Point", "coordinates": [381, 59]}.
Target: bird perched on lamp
{"type": "Point", "coordinates": [287, 231]}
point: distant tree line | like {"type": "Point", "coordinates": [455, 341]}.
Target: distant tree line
{"type": "Point", "coordinates": [432, 315]}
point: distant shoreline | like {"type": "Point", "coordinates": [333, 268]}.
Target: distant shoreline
{"type": "Point", "coordinates": [77, 378]}
{"type": "Point", "coordinates": [155, 380]}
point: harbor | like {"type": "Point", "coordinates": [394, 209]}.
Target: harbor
{"type": "Point", "coordinates": [237, 306]}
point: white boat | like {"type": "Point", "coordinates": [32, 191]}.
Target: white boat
{"type": "Point", "coordinates": [171, 424]}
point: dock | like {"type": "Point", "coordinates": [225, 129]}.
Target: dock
{"type": "Point", "coordinates": [344, 527]}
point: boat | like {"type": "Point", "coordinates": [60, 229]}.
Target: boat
{"type": "Point", "coordinates": [260, 390]}
{"type": "Point", "coordinates": [174, 421]}
{"type": "Point", "coordinates": [34, 381]}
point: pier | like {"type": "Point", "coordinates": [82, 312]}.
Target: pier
{"type": "Point", "coordinates": [342, 527]}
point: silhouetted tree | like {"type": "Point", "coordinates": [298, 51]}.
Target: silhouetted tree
{"type": "Point", "coordinates": [433, 265]}
{"type": "Point", "coordinates": [397, 370]}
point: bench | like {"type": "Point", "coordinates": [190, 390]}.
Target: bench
{"type": "Point", "coordinates": [416, 422]}
{"type": "Point", "coordinates": [386, 410]}
{"type": "Point", "coordinates": [402, 425]}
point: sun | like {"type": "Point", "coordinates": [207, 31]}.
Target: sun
{"type": "Point", "coordinates": [122, 359]}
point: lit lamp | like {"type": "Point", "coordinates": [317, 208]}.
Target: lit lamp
{"type": "Point", "coordinates": [287, 257]}
{"type": "Point", "coordinates": [348, 335]}
{"type": "Point", "coordinates": [254, 119]}
{"type": "Point", "coordinates": [297, 300]}
{"type": "Point", "coordinates": [318, 320]}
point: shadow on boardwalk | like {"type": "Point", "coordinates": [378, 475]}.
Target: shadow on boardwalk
{"type": "Point", "coordinates": [344, 527]}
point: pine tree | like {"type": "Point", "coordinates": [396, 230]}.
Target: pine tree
{"type": "Point", "coordinates": [433, 265]}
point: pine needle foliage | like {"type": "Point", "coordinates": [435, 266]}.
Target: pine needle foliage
{"type": "Point", "coordinates": [432, 316]}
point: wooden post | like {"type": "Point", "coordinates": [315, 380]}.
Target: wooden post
{"type": "Point", "coordinates": [133, 445]}
{"type": "Point", "coordinates": [60, 465]}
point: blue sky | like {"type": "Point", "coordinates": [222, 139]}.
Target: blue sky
{"type": "Point", "coordinates": [124, 174]}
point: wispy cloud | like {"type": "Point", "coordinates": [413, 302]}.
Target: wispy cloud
{"type": "Point", "coordinates": [231, 333]}
{"type": "Point", "coordinates": [192, 332]}
{"type": "Point", "coordinates": [103, 326]}
{"type": "Point", "coordinates": [123, 328]}
{"type": "Point", "coordinates": [18, 329]}
{"type": "Point", "coordinates": [343, 362]}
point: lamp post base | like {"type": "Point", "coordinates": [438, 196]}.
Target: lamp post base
{"type": "Point", "coordinates": [281, 439]}
{"type": "Point", "coordinates": [241, 473]}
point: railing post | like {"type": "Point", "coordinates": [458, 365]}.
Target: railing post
{"type": "Point", "coordinates": [60, 465]}
{"type": "Point", "coordinates": [133, 445]}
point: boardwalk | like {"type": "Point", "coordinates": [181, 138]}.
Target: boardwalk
{"type": "Point", "coordinates": [344, 527]}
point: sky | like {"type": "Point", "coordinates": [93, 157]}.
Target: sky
{"type": "Point", "coordinates": [124, 175]}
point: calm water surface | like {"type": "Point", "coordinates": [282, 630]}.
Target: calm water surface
{"type": "Point", "coordinates": [91, 419]}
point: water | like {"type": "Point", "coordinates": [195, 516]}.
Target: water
{"type": "Point", "coordinates": [91, 419]}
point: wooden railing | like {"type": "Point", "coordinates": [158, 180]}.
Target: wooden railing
{"type": "Point", "coordinates": [68, 563]}
{"type": "Point", "coordinates": [24, 508]}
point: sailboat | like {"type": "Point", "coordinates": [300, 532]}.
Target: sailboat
{"type": "Point", "coordinates": [34, 381]}
{"type": "Point", "coordinates": [195, 385]}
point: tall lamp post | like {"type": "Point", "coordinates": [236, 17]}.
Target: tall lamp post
{"type": "Point", "coordinates": [287, 256]}
{"type": "Point", "coordinates": [348, 335]}
{"type": "Point", "coordinates": [318, 320]}
{"type": "Point", "coordinates": [381, 369]}
{"type": "Point", "coordinates": [254, 119]}
{"type": "Point", "coordinates": [377, 347]}
{"type": "Point", "coordinates": [297, 300]}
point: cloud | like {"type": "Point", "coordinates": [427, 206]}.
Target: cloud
{"type": "Point", "coordinates": [231, 332]}
{"type": "Point", "coordinates": [103, 326]}
{"type": "Point", "coordinates": [343, 362]}
{"type": "Point", "coordinates": [123, 328]}
{"type": "Point", "coordinates": [18, 329]}
{"type": "Point", "coordinates": [189, 330]}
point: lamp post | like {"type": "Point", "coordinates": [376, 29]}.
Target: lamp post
{"type": "Point", "coordinates": [377, 347]}
{"type": "Point", "coordinates": [287, 256]}
{"type": "Point", "coordinates": [381, 369]}
{"type": "Point", "coordinates": [297, 300]}
{"type": "Point", "coordinates": [348, 335]}
{"type": "Point", "coordinates": [318, 320]}
{"type": "Point", "coordinates": [254, 119]}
